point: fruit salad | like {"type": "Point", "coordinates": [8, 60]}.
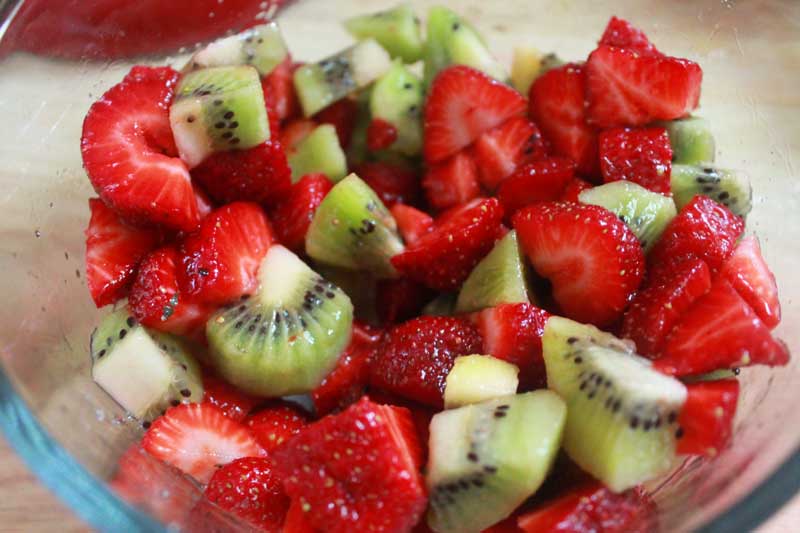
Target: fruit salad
{"type": "Point", "coordinates": [404, 288]}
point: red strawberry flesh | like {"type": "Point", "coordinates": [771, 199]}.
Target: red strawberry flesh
{"type": "Point", "coordinates": [452, 182]}
{"type": "Point", "coordinates": [749, 274]}
{"type": "Point", "coordinates": [412, 224]}
{"type": "Point", "coordinates": [380, 134]}
{"type": "Point", "coordinates": [643, 156]}
{"type": "Point", "coordinates": [392, 183]}
{"type": "Point", "coordinates": [499, 151]}
{"type": "Point", "coordinates": [623, 34]}
{"type": "Point", "coordinates": [292, 217]}
{"type": "Point", "coordinates": [234, 403]}
{"type": "Point", "coordinates": [276, 423]}
{"type": "Point", "coordinates": [706, 419]}
{"type": "Point", "coordinates": [539, 181]}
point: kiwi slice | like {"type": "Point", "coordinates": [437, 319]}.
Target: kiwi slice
{"type": "Point", "coordinates": [442, 305]}
{"type": "Point", "coordinates": [217, 109]}
{"type": "Point", "coordinates": [261, 46]}
{"type": "Point", "coordinates": [647, 213]}
{"type": "Point", "coordinates": [396, 29]}
{"type": "Point", "coordinates": [730, 188]}
{"type": "Point", "coordinates": [691, 139]}
{"type": "Point", "coordinates": [621, 423]}
{"type": "Point", "coordinates": [318, 85]}
{"type": "Point", "coordinates": [485, 459]}
{"type": "Point", "coordinates": [477, 378]}
{"type": "Point", "coordinates": [352, 229]}
{"type": "Point", "coordinates": [528, 64]}
{"type": "Point", "coordinates": [286, 337]}
{"type": "Point", "coordinates": [145, 371]}
{"type": "Point", "coordinates": [319, 151]}
{"type": "Point", "coordinates": [500, 278]}
{"type": "Point", "coordinates": [398, 98]}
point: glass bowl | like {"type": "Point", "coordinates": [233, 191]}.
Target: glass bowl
{"type": "Point", "coordinates": [71, 434]}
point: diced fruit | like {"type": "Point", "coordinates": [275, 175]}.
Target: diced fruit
{"type": "Point", "coordinates": [539, 181]}
{"type": "Point", "coordinates": [590, 256]}
{"type": "Point", "coordinates": [621, 412]}
{"type": "Point", "coordinates": [730, 188]}
{"type": "Point", "coordinates": [412, 223]}
{"type": "Point", "coordinates": [391, 182]}
{"type": "Point", "coordinates": [623, 34]}
{"type": "Point", "coordinates": [528, 64]}
{"type": "Point", "coordinates": [642, 156]}
{"type": "Point", "coordinates": [275, 424]}
{"type": "Point", "coordinates": [296, 521]}
{"type": "Point", "coordinates": [233, 402]}
{"type": "Point", "coordinates": [400, 299]}
{"type": "Point", "coordinates": [707, 417]}
{"type": "Point", "coordinates": [341, 115]}
{"type": "Point", "coordinates": [750, 275]}
{"type": "Point", "coordinates": [319, 152]}
{"type": "Point", "coordinates": [380, 134]}
{"type": "Point", "coordinates": [442, 305]}
{"type": "Point", "coordinates": [487, 458]}
{"type": "Point", "coordinates": [261, 46]}
{"type": "Point", "coordinates": [294, 131]}
{"type": "Point", "coordinates": [499, 151]}
{"type": "Point", "coordinates": [691, 140]}
{"type": "Point", "coordinates": [292, 217]}
{"type": "Point", "coordinates": [396, 29]}
{"type": "Point", "coordinates": [478, 378]}
{"type": "Point", "coordinates": [397, 99]}
{"type": "Point", "coordinates": [453, 182]}
{"type": "Point", "coordinates": [574, 188]}
{"type": "Point", "coordinates": [279, 93]}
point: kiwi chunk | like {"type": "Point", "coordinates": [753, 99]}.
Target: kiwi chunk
{"type": "Point", "coordinates": [261, 46]}
{"type": "Point", "coordinates": [691, 140]}
{"type": "Point", "coordinates": [398, 98]}
{"type": "Point", "coordinates": [528, 64]}
{"type": "Point", "coordinates": [442, 305]}
{"type": "Point", "coordinates": [621, 423]}
{"type": "Point", "coordinates": [318, 85]}
{"type": "Point", "coordinates": [477, 378]}
{"type": "Point", "coordinates": [485, 459]}
{"type": "Point", "coordinates": [397, 30]}
{"type": "Point", "coordinates": [730, 188]}
{"type": "Point", "coordinates": [145, 371]}
{"type": "Point", "coordinates": [217, 109]}
{"type": "Point", "coordinates": [500, 278]}
{"type": "Point", "coordinates": [647, 213]}
{"type": "Point", "coordinates": [285, 338]}
{"type": "Point", "coordinates": [319, 151]}
{"type": "Point", "coordinates": [352, 229]}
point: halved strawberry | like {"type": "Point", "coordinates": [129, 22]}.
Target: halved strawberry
{"type": "Point", "coordinates": [380, 134]}
{"type": "Point", "coordinates": [279, 84]}
{"type": "Point", "coordinates": [499, 151]}
{"type": "Point", "coordinates": [619, 32]}
{"type": "Point", "coordinates": [627, 88]}
{"type": "Point", "coordinates": [260, 174]}
{"type": "Point", "coordinates": [198, 438]}
{"type": "Point", "coordinates": [296, 520]}
{"type": "Point", "coordinates": [643, 156]}
{"type": "Point", "coordinates": [557, 104]}
{"type": "Point", "coordinates": [391, 182]}
{"type": "Point", "coordinates": [276, 423]}
{"type": "Point", "coordinates": [590, 256]}
{"type": "Point", "coordinates": [130, 155]}
{"type": "Point", "coordinates": [667, 294]}
{"type": "Point", "coordinates": [452, 182]}
{"type": "Point", "coordinates": [341, 115]}
{"type": "Point", "coordinates": [573, 190]}
{"type": "Point", "coordinates": [233, 402]}
{"type": "Point", "coordinates": [220, 260]}
{"type": "Point", "coordinates": [355, 471]}
{"type": "Point", "coordinates": [411, 223]}
{"type": "Point", "coordinates": [416, 356]}
{"type": "Point", "coordinates": [291, 217]}
{"type": "Point", "coordinates": [706, 419]}
{"type": "Point", "coordinates": [462, 104]}
{"type": "Point", "coordinates": [400, 299]}
{"type": "Point", "coordinates": [751, 277]}
{"type": "Point", "coordinates": [443, 258]}
{"type": "Point", "coordinates": [540, 181]}
{"type": "Point", "coordinates": [113, 252]}
{"type": "Point", "coordinates": [719, 331]}
{"type": "Point", "coordinates": [294, 132]}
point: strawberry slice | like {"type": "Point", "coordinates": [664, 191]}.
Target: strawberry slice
{"type": "Point", "coordinates": [204, 204]}
{"type": "Point", "coordinates": [400, 299]}
{"type": "Point", "coordinates": [391, 182]}
{"type": "Point", "coordinates": [291, 217]}
{"type": "Point", "coordinates": [627, 88]}
{"type": "Point", "coordinates": [276, 423]}
{"type": "Point", "coordinates": [573, 190]}
{"type": "Point", "coordinates": [751, 277]}
{"type": "Point", "coordinates": [130, 155]}
{"type": "Point", "coordinates": [420, 416]}
{"type": "Point", "coordinates": [197, 438]}
{"type": "Point", "coordinates": [643, 156]}
{"type": "Point", "coordinates": [539, 181]}
{"type": "Point", "coordinates": [513, 333]}
{"type": "Point", "coordinates": [719, 331]}
{"type": "Point", "coordinates": [443, 258]}
{"type": "Point", "coordinates": [342, 116]}
{"type": "Point", "coordinates": [355, 471]}
{"type": "Point", "coordinates": [279, 92]}
{"type": "Point", "coordinates": [219, 262]}
{"type": "Point", "coordinates": [380, 134]}
{"type": "Point", "coordinates": [296, 520]}
{"type": "Point", "coordinates": [416, 356]}
{"type": "Point", "coordinates": [500, 150]}
{"type": "Point", "coordinates": [411, 223]}
{"type": "Point", "coordinates": [113, 252]}
{"type": "Point", "coordinates": [462, 104]}
{"type": "Point", "coordinates": [557, 104]}
{"type": "Point", "coordinates": [453, 182]}
{"type": "Point", "coordinates": [621, 33]}
{"type": "Point", "coordinates": [233, 402]}
{"type": "Point", "coordinates": [590, 256]}
{"type": "Point", "coordinates": [706, 419]}
{"type": "Point", "coordinates": [260, 174]}
{"type": "Point", "coordinates": [667, 294]}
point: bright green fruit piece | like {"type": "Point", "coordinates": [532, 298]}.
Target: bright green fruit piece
{"type": "Point", "coordinates": [691, 139]}
{"type": "Point", "coordinates": [477, 378]}
{"type": "Point", "coordinates": [319, 151]}
{"type": "Point", "coordinates": [398, 98]}
{"type": "Point", "coordinates": [261, 46]}
{"type": "Point", "coordinates": [396, 29]}
{"type": "Point", "coordinates": [730, 188]}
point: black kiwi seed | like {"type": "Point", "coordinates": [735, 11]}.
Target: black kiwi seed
{"type": "Point", "coordinates": [131, 321]}
{"type": "Point", "coordinates": [679, 433]}
{"type": "Point", "coordinates": [242, 308]}
{"type": "Point", "coordinates": [227, 135]}
{"type": "Point", "coordinates": [186, 393]}
{"type": "Point", "coordinates": [657, 422]}
{"type": "Point", "coordinates": [122, 333]}
{"type": "Point", "coordinates": [146, 425]}
{"type": "Point", "coordinates": [219, 125]}
{"type": "Point", "coordinates": [472, 456]}
{"type": "Point", "coordinates": [672, 417]}
{"type": "Point", "coordinates": [233, 125]}
{"type": "Point", "coordinates": [489, 469]}
{"type": "Point", "coordinates": [251, 328]}
{"type": "Point", "coordinates": [228, 115]}
{"type": "Point", "coordinates": [634, 422]}
{"type": "Point", "coordinates": [579, 360]}
{"type": "Point", "coordinates": [175, 403]}
{"type": "Point", "coordinates": [330, 295]}
{"type": "Point", "coordinates": [477, 482]}
{"type": "Point", "coordinates": [504, 407]}
{"type": "Point", "coordinates": [238, 325]}
{"type": "Point", "coordinates": [724, 195]}
{"type": "Point", "coordinates": [235, 140]}
{"type": "Point", "coordinates": [101, 353]}
{"type": "Point", "coordinates": [572, 340]}
{"type": "Point", "coordinates": [647, 425]}
{"type": "Point", "coordinates": [456, 26]}
{"type": "Point", "coordinates": [617, 406]}
{"type": "Point", "coordinates": [108, 341]}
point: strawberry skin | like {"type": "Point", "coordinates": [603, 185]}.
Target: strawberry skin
{"type": "Point", "coordinates": [296, 521]}
{"type": "Point", "coordinates": [380, 134]}
{"type": "Point", "coordinates": [643, 156]}
{"type": "Point", "coordinates": [749, 274]}
{"type": "Point", "coordinates": [499, 151]}
{"type": "Point", "coordinates": [275, 424]}
{"type": "Point", "coordinates": [573, 190]}
{"type": "Point", "coordinates": [590, 256]}
{"type": "Point", "coordinates": [462, 104]}
{"type": "Point", "coordinates": [539, 181]}
{"type": "Point", "coordinates": [292, 216]}
{"type": "Point", "coordinates": [412, 224]}
{"type": "Point", "coordinates": [621, 33]}
{"type": "Point", "coordinates": [130, 155]}
{"type": "Point", "coordinates": [234, 403]}
{"type": "Point", "coordinates": [453, 182]}
{"type": "Point", "coordinates": [706, 418]}
{"type": "Point", "coordinates": [391, 182]}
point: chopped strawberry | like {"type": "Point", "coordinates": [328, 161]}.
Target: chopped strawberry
{"type": "Point", "coordinates": [412, 223]}
{"type": "Point", "coordinates": [291, 218]}
{"type": "Point", "coordinates": [643, 156]}
{"type": "Point", "coordinates": [279, 85]}
{"type": "Point", "coordinates": [627, 88]}
{"type": "Point", "coordinates": [443, 258]}
{"type": "Point", "coordinates": [573, 190]}
{"type": "Point", "coordinates": [391, 182]}
{"type": "Point", "coordinates": [341, 115]}
{"type": "Point", "coordinates": [539, 181]}
{"type": "Point", "coordinates": [500, 150]}
{"type": "Point", "coordinates": [557, 104]}
{"type": "Point", "coordinates": [453, 182]}
{"type": "Point", "coordinates": [462, 104]}
{"type": "Point", "coordinates": [416, 356]}
{"type": "Point", "coordinates": [296, 520]}
{"type": "Point", "coordinates": [233, 402]}
{"type": "Point", "coordinates": [420, 416]}
{"type": "Point", "coordinates": [113, 252]}
{"type": "Point", "coordinates": [623, 34]}
{"type": "Point", "coordinates": [130, 155]}
{"type": "Point", "coordinates": [260, 174]}
{"type": "Point", "coordinates": [380, 134]}
{"type": "Point", "coordinates": [220, 260]}
{"type": "Point", "coordinates": [355, 471]}
{"type": "Point", "coordinates": [751, 277]}
{"type": "Point", "coordinates": [198, 438]}
{"type": "Point", "coordinates": [703, 229]}
{"type": "Point", "coordinates": [204, 204]}
{"type": "Point", "coordinates": [294, 132]}
{"type": "Point", "coordinates": [400, 299]}
{"type": "Point", "coordinates": [276, 423]}
{"type": "Point", "coordinates": [513, 333]}
{"type": "Point", "coordinates": [706, 420]}
{"type": "Point", "coordinates": [593, 260]}
{"type": "Point", "coordinates": [719, 331]}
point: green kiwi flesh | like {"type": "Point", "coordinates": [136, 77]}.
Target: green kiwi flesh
{"type": "Point", "coordinates": [261, 46]}
{"type": "Point", "coordinates": [621, 423]}
{"type": "Point", "coordinates": [397, 30]}
{"type": "Point", "coordinates": [528, 64]}
{"type": "Point", "coordinates": [319, 151]}
{"type": "Point", "coordinates": [477, 378]}
{"type": "Point", "coordinates": [285, 338]}
{"type": "Point", "coordinates": [398, 98]}
{"type": "Point", "coordinates": [218, 109]}
{"type": "Point", "coordinates": [691, 140]}
{"type": "Point", "coordinates": [485, 459]}
{"type": "Point", "coordinates": [730, 188]}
